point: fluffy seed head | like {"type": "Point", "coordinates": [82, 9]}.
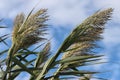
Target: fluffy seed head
{"type": "Point", "coordinates": [30, 30]}
{"type": "Point", "coordinates": [84, 37]}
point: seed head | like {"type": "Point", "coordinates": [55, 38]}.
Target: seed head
{"type": "Point", "coordinates": [30, 30]}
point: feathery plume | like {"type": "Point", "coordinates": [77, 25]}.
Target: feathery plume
{"type": "Point", "coordinates": [29, 31]}
{"type": "Point", "coordinates": [83, 38]}
{"type": "Point", "coordinates": [26, 32]}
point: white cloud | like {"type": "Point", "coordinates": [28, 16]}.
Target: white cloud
{"type": "Point", "coordinates": [64, 12]}
{"type": "Point", "coordinates": [4, 31]}
{"type": "Point", "coordinates": [111, 36]}
{"type": "Point", "coordinates": [61, 12]}
{"type": "Point", "coordinates": [109, 3]}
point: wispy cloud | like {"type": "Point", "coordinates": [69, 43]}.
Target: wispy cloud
{"type": "Point", "coordinates": [69, 12]}
{"type": "Point", "coordinates": [62, 12]}
{"type": "Point", "coordinates": [109, 3]}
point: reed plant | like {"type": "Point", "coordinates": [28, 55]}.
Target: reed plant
{"type": "Point", "coordinates": [77, 49]}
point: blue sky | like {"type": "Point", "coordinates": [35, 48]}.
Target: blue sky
{"type": "Point", "coordinates": [66, 15]}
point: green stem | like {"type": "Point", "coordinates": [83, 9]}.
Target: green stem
{"type": "Point", "coordinates": [50, 62]}
{"type": "Point", "coordinates": [8, 62]}
{"type": "Point", "coordinates": [46, 66]}
{"type": "Point", "coordinates": [56, 73]}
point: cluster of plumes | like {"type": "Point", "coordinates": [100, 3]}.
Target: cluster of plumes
{"type": "Point", "coordinates": [30, 30]}
{"type": "Point", "coordinates": [83, 38]}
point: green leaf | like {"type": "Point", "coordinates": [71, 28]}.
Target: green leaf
{"type": "Point", "coordinates": [31, 68]}
{"type": "Point", "coordinates": [76, 72]}
{"type": "Point", "coordinates": [77, 58]}
{"type": "Point", "coordinates": [17, 70]}
{"type": "Point", "coordinates": [17, 62]}
{"type": "Point", "coordinates": [3, 38]}
{"type": "Point", "coordinates": [3, 27]}
{"type": "Point", "coordinates": [3, 52]}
